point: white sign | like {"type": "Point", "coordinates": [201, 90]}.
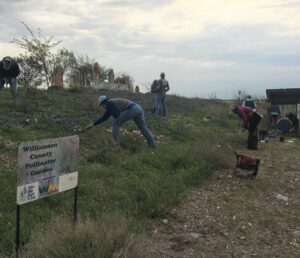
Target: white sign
{"type": "Point", "coordinates": [47, 167]}
{"type": "Point", "coordinates": [68, 181]}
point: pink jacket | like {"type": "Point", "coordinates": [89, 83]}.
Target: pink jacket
{"type": "Point", "coordinates": [244, 113]}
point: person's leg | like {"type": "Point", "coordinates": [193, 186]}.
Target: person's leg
{"type": "Point", "coordinates": [140, 121]}
{"type": "Point", "coordinates": [115, 131]}
{"type": "Point", "coordinates": [117, 122]}
{"type": "Point", "coordinates": [13, 87]}
{"type": "Point", "coordinates": [164, 106]}
{"type": "Point", "coordinates": [157, 103]}
{"type": "Point", "coordinates": [253, 122]}
{"type": "Point", "coordinates": [2, 83]}
{"type": "Point", "coordinates": [252, 137]}
{"type": "Point", "coordinates": [249, 141]}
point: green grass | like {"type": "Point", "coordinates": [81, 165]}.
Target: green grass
{"type": "Point", "coordinates": [133, 180]}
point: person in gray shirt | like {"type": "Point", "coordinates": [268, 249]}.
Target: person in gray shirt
{"type": "Point", "coordinates": [160, 100]}
{"type": "Point", "coordinates": [123, 110]}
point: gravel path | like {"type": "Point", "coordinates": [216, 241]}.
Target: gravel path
{"type": "Point", "coordinates": [234, 217]}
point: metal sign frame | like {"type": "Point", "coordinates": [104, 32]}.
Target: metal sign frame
{"type": "Point", "coordinates": [45, 168]}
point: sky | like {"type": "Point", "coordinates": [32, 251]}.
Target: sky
{"type": "Point", "coordinates": [205, 47]}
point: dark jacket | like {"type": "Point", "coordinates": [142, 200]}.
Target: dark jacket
{"type": "Point", "coordinates": [13, 72]}
{"type": "Point", "coordinates": [249, 103]}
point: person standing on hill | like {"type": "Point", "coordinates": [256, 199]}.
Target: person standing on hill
{"type": "Point", "coordinates": [249, 102]}
{"type": "Point", "coordinates": [250, 120]}
{"type": "Point", "coordinates": [123, 110]}
{"type": "Point", "coordinates": [160, 100]}
{"type": "Point", "coordinates": [9, 71]}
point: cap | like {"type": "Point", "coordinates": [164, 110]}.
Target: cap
{"type": "Point", "coordinates": [101, 100]}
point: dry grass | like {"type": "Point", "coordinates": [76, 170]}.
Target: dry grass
{"type": "Point", "coordinates": [90, 238]}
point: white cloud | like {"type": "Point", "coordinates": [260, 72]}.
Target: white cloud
{"type": "Point", "coordinates": [216, 43]}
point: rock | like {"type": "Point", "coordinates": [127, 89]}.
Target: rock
{"type": "Point", "coordinates": [282, 197]}
{"type": "Point", "coordinates": [195, 235]}
{"type": "Point", "coordinates": [296, 233]}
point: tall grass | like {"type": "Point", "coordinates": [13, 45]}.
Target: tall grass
{"type": "Point", "coordinates": [90, 238]}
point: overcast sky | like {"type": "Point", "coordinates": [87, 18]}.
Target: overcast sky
{"type": "Point", "coordinates": [205, 47]}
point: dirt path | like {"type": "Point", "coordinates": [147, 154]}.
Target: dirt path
{"type": "Point", "coordinates": [234, 217]}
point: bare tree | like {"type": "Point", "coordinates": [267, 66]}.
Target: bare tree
{"type": "Point", "coordinates": [39, 50]}
{"type": "Point", "coordinates": [29, 76]}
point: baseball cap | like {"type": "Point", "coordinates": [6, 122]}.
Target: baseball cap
{"type": "Point", "coordinates": [101, 100]}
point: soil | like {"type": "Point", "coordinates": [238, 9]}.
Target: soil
{"type": "Point", "coordinates": [234, 217]}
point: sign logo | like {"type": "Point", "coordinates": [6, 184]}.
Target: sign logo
{"type": "Point", "coordinates": [27, 193]}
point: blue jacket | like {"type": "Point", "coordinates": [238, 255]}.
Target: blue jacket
{"type": "Point", "coordinates": [113, 108]}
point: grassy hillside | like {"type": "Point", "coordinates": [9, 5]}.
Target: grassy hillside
{"type": "Point", "coordinates": [121, 189]}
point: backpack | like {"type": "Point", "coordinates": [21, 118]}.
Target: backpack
{"type": "Point", "coordinates": [249, 103]}
{"type": "Point", "coordinates": [154, 86]}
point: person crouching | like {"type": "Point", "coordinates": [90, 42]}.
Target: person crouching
{"type": "Point", "coordinates": [123, 110]}
{"type": "Point", "coordinates": [250, 120]}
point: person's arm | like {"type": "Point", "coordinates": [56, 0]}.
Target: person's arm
{"type": "Point", "coordinates": [103, 118]}
{"type": "Point", "coordinates": [16, 70]}
{"type": "Point", "coordinates": [167, 87]}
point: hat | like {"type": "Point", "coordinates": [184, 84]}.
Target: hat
{"type": "Point", "coordinates": [7, 62]}
{"type": "Point", "coordinates": [101, 100]}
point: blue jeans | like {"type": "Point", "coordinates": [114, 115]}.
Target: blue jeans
{"type": "Point", "coordinates": [12, 86]}
{"type": "Point", "coordinates": [160, 100]}
{"type": "Point", "coordinates": [137, 114]}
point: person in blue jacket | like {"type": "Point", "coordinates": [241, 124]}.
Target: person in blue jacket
{"type": "Point", "coordinates": [9, 71]}
{"type": "Point", "coordinates": [123, 110]}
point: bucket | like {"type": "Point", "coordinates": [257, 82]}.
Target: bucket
{"type": "Point", "coordinates": [246, 166]}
